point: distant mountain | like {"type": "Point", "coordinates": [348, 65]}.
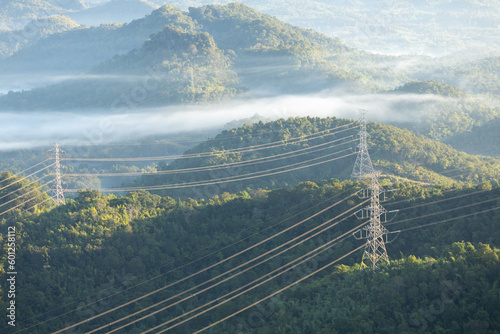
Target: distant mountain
{"type": "Point", "coordinates": [173, 66]}
{"type": "Point", "coordinates": [12, 41]}
{"type": "Point", "coordinates": [122, 11]}
{"type": "Point", "coordinates": [481, 139]}
{"type": "Point", "coordinates": [15, 14]}
{"type": "Point", "coordinates": [430, 87]}
{"type": "Point", "coordinates": [273, 56]}
{"type": "Point", "coordinates": [442, 112]}
{"type": "Point", "coordinates": [268, 55]}
{"type": "Point", "coordinates": [474, 77]}
{"type": "Point", "coordinates": [77, 51]}
{"type": "Point", "coordinates": [391, 27]}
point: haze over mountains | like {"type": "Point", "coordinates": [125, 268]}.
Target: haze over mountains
{"type": "Point", "coordinates": [397, 27]}
{"type": "Point", "coordinates": [214, 53]}
{"type": "Point", "coordinates": [195, 138]}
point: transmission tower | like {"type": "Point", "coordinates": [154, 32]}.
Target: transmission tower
{"type": "Point", "coordinates": [363, 167]}
{"type": "Point", "coordinates": [57, 190]}
{"type": "Point", "coordinates": [374, 233]}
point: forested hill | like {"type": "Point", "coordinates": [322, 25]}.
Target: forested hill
{"type": "Point", "coordinates": [173, 66]}
{"type": "Point", "coordinates": [80, 50]}
{"type": "Point", "coordinates": [98, 245]}
{"type": "Point", "coordinates": [239, 28]}
{"type": "Point", "coordinates": [430, 87]}
{"type": "Point", "coordinates": [13, 41]}
{"type": "Point", "coordinates": [481, 139]}
{"type": "Point", "coordinates": [315, 149]}
{"type": "Point", "coordinates": [114, 11]}
{"type": "Point", "coordinates": [14, 14]}
{"type": "Point", "coordinates": [270, 57]}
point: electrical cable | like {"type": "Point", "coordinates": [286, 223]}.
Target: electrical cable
{"type": "Point", "coordinates": [29, 192]}
{"type": "Point", "coordinates": [265, 281]}
{"type": "Point", "coordinates": [226, 165]}
{"type": "Point", "coordinates": [236, 150]}
{"type": "Point", "coordinates": [448, 220]}
{"type": "Point", "coordinates": [26, 185]}
{"type": "Point", "coordinates": [222, 180]}
{"type": "Point", "coordinates": [179, 267]}
{"type": "Point", "coordinates": [25, 177]}
{"type": "Point", "coordinates": [25, 170]}
{"type": "Point", "coordinates": [205, 269]}
{"type": "Point", "coordinates": [444, 211]}
{"type": "Point", "coordinates": [15, 207]}
{"type": "Point", "coordinates": [227, 272]}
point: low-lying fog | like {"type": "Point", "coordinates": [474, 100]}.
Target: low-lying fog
{"type": "Point", "coordinates": [32, 129]}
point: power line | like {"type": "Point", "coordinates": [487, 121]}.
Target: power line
{"type": "Point", "coordinates": [326, 247]}
{"type": "Point", "coordinates": [443, 200]}
{"type": "Point", "coordinates": [270, 296]}
{"type": "Point", "coordinates": [261, 283]}
{"type": "Point", "coordinates": [450, 219]}
{"type": "Point", "coordinates": [444, 211]}
{"type": "Point", "coordinates": [25, 177]}
{"type": "Point", "coordinates": [25, 170]}
{"type": "Point", "coordinates": [26, 185]}
{"type": "Point", "coordinates": [236, 150]}
{"type": "Point", "coordinates": [227, 272]}
{"type": "Point", "coordinates": [179, 267]}
{"type": "Point", "coordinates": [15, 207]}
{"type": "Point", "coordinates": [225, 180]}
{"type": "Point", "coordinates": [29, 192]}
{"type": "Point", "coordinates": [205, 269]}
{"type": "Point", "coordinates": [31, 207]}
{"type": "Point", "coordinates": [291, 154]}
{"type": "Point", "coordinates": [277, 292]}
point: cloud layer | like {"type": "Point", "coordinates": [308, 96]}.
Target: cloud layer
{"type": "Point", "coordinates": [33, 129]}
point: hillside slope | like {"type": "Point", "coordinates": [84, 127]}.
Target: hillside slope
{"type": "Point", "coordinates": [13, 41]}
{"type": "Point", "coordinates": [269, 56]}
{"type": "Point", "coordinates": [108, 244]}
{"type": "Point", "coordinates": [440, 111]}
{"type": "Point", "coordinates": [481, 139]}
{"type": "Point", "coordinates": [173, 66]}
{"type": "Point", "coordinates": [326, 147]}
{"type": "Point", "coordinates": [391, 27]}
{"type": "Point", "coordinates": [15, 14]}
{"type": "Point", "coordinates": [78, 51]}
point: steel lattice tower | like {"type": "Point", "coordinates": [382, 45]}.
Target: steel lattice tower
{"type": "Point", "coordinates": [374, 232]}
{"type": "Point", "coordinates": [363, 167]}
{"type": "Point", "coordinates": [57, 190]}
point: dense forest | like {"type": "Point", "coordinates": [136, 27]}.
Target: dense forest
{"type": "Point", "coordinates": [481, 139]}
{"type": "Point", "coordinates": [81, 49]}
{"type": "Point", "coordinates": [326, 145]}
{"type": "Point", "coordinates": [110, 244]}
{"type": "Point", "coordinates": [196, 199]}
{"type": "Point", "coordinates": [107, 244]}
{"type": "Point", "coordinates": [15, 14]}
{"type": "Point", "coordinates": [13, 41]}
